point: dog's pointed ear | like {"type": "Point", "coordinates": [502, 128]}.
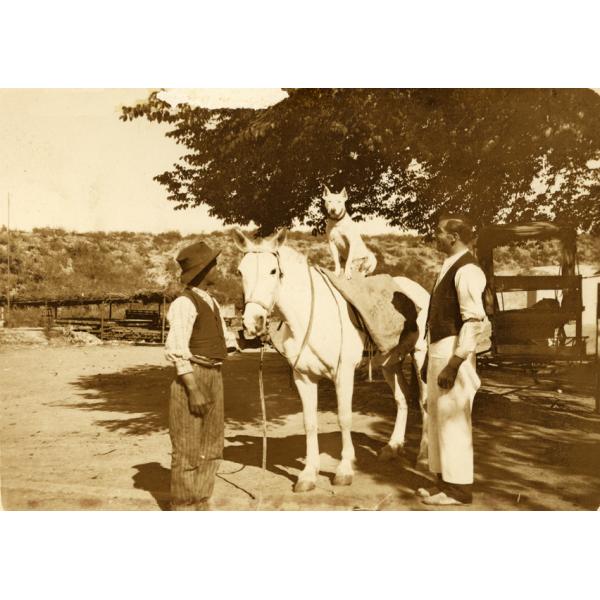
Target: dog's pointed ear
{"type": "Point", "coordinates": [240, 239]}
{"type": "Point", "coordinates": [280, 237]}
{"type": "Point", "coordinates": [344, 194]}
{"type": "Point", "coordinates": [326, 191]}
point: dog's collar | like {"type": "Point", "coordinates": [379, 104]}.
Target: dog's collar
{"type": "Point", "coordinates": [339, 218]}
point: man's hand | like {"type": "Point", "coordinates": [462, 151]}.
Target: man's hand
{"type": "Point", "coordinates": [198, 401]}
{"type": "Point", "coordinates": [448, 375]}
{"type": "Point", "coordinates": [424, 369]}
{"type": "Point", "coordinates": [199, 406]}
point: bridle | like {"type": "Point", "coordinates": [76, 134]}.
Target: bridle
{"type": "Point", "coordinates": [257, 301]}
{"type": "Point", "coordinates": [269, 309]}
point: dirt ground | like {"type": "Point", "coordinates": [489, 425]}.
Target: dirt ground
{"type": "Point", "coordinates": [86, 428]}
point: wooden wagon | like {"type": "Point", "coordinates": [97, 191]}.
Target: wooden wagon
{"type": "Point", "coordinates": [546, 330]}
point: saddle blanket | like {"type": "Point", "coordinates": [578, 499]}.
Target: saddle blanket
{"type": "Point", "coordinates": [388, 312]}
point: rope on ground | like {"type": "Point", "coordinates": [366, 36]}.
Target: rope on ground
{"type": "Point", "coordinates": [235, 485]}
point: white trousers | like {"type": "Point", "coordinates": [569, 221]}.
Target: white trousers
{"type": "Point", "coordinates": [449, 415]}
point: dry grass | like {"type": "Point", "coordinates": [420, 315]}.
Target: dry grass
{"type": "Point", "coordinates": [50, 263]}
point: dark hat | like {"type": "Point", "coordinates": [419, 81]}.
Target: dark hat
{"type": "Point", "coordinates": [194, 259]}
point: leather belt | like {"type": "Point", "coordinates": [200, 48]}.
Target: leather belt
{"type": "Point", "coordinates": [204, 361]}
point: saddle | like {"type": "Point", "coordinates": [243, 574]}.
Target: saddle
{"type": "Point", "coordinates": [385, 312]}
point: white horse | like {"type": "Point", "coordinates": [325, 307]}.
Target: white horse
{"type": "Point", "coordinates": [320, 339]}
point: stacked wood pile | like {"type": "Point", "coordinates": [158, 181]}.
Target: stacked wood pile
{"type": "Point", "coordinates": [114, 330]}
{"type": "Point", "coordinates": [151, 317]}
{"type": "Point", "coordinates": [138, 326]}
{"type": "Point", "coordinates": [87, 324]}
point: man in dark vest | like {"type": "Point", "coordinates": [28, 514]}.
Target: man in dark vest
{"type": "Point", "coordinates": [196, 346]}
{"type": "Point", "coordinates": [454, 324]}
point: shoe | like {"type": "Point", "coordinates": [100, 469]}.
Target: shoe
{"type": "Point", "coordinates": [441, 499]}
{"type": "Point", "coordinates": [426, 492]}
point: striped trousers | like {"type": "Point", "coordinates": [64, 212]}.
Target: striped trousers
{"type": "Point", "coordinates": [197, 441]}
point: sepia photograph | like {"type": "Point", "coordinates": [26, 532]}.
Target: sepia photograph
{"type": "Point", "coordinates": [300, 299]}
{"type": "Point", "coordinates": [324, 274]}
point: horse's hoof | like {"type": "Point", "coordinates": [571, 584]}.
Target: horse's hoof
{"type": "Point", "coordinates": [304, 485]}
{"type": "Point", "coordinates": [389, 453]}
{"type": "Point", "coordinates": [342, 480]}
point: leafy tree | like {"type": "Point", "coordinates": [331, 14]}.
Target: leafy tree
{"type": "Point", "coordinates": [403, 154]}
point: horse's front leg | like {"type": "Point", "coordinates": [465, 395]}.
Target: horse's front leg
{"type": "Point", "coordinates": [308, 390]}
{"type": "Point", "coordinates": [395, 379]}
{"type": "Point", "coordinates": [344, 390]}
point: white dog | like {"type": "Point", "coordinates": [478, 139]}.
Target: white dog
{"type": "Point", "coordinates": [344, 237]}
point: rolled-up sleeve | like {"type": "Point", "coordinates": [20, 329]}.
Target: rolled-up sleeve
{"type": "Point", "coordinates": [470, 284]}
{"type": "Point", "coordinates": [181, 316]}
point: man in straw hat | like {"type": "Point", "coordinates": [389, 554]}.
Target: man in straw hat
{"type": "Point", "coordinates": [196, 345]}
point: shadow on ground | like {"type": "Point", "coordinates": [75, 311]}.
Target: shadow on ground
{"type": "Point", "coordinates": [152, 477]}
{"type": "Point", "coordinates": [530, 453]}
{"type": "Point", "coordinates": [140, 395]}
{"type": "Point", "coordinates": [285, 457]}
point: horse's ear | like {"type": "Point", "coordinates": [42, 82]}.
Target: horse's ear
{"type": "Point", "coordinates": [344, 194]}
{"type": "Point", "coordinates": [240, 239]}
{"type": "Point", "coordinates": [326, 191]}
{"type": "Point", "coordinates": [280, 237]}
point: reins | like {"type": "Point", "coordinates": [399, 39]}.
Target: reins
{"type": "Point", "coordinates": [310, 317]}
{"type": "Point", "coordinates": [337, 304]}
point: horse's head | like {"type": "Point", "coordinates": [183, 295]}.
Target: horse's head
{"type": "Point", "coordinates": [260, 269]}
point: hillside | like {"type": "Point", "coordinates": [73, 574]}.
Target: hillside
{"type": "Point", "coordinates": [53, 263]}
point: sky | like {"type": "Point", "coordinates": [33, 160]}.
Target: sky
{"type": "Point", "coordinates": [68, 161]}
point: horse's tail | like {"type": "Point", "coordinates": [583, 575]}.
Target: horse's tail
{"type": "Point", "coordinates": [413, 381]}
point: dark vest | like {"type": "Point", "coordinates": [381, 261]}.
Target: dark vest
{"type": "Point", "coordinates": [444, 318]}
{"type": "Point", "coordinates": [208, 337]}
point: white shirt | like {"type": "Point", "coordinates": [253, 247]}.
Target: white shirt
{"type": "Point", "coordinates": [470, 283]}
{"type": "Point", "coordinates": [182, 316]}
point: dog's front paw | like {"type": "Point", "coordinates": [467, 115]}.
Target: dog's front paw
{"type": "Point", "coordinates": [348, 274]}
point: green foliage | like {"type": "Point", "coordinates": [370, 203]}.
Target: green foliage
{"type": "Point", "coordinates": [402, 154]}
